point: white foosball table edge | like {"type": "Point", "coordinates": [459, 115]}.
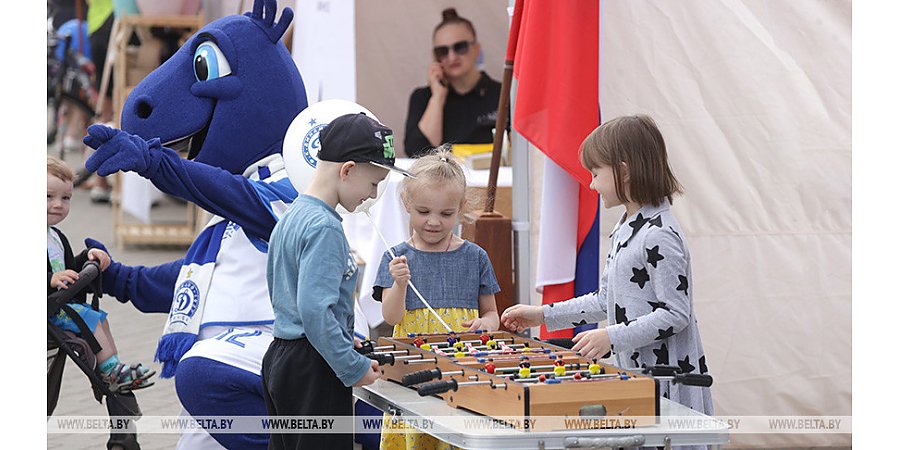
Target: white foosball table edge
{"type": "Point", "coordinates": [404, 402]}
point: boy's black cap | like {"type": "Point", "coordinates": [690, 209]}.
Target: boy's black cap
{"type": "Point", "coordinates": [358, 138]}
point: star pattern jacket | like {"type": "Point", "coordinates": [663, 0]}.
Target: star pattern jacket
{"type": "Point", "coordinates": [646, 297]}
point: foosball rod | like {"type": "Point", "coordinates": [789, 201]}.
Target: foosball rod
{"type": "Point", "coordinates": [418, 294]}
{"type": "Point", "coordinates": [415, 359]}
{"type": "Point", "coordinates": [577, 376]}
{"type": "Point", "coordinates": [423, 376]}
{"type": "Point", "coordinates": [446, 346]}
{"type": "Point", "coordinates": [537, 354]}
{"type": "Point", "coordinates": [480, 353]}
{"type": "Point", "coordinates": [444, 343]}
{"type": "Point", "coordinates": [576, 366]}
{"type": "Point", "coordinates": [391, 352]}
{"type": "Point", "coordinates": [675, 375]}
{"type": "Point", "coordinates": [689, 379]}
{"type": "Point", "coordinates": [505, 357]}
{"type": "Point", "coordinates": [439, 387]}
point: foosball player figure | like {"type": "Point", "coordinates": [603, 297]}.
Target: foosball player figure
{"type": "Point", "coordinates": [459, 346]}
{"type": "Point", "coordinates": [418, 341]}
{"type": "Point", "coordinates": [595, 368]}
{"type": "Point", "coordinates": [452, 338]}
{"type": "Point", "coordinates": [484, 338]}
{"type": "Point", "coordinates": [489, 366]}
{"type": "Point", "coordinates": [525, 368]}
{"type": "Point", "coordinates": [491, 344]}
{"type": "Point", "coordinates": [559, 366]}
{"type": "Point", "coordinates": [426, 346]}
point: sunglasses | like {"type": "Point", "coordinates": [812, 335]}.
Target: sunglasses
{"type": "Point", "coordinates": [441, 52]}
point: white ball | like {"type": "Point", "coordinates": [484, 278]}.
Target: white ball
{"type": "Point", "coordinates": [300, 149]}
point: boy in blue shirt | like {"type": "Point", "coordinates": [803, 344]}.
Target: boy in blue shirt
{"type": "Point", "coordinates": [310, 366]}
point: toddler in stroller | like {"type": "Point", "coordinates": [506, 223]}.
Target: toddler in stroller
{"type": "Point", "coordinates": [78, 317]}
{"type": "Point", "coordinates": [75, 329]}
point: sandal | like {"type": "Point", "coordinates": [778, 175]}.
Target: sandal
{"type": "Point", "coordinates": [123, 378]}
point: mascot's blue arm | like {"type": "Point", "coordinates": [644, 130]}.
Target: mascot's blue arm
{"type": "Point", "coordinates": [148, 288]}
{"type": "Point", "coordinates": [220, 192]}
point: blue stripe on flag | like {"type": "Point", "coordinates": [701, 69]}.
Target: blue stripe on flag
{"type": "Point", "coordinates": [587, 265]}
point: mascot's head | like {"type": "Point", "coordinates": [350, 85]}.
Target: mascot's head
{"type": "Point", "coordinates": [227, 96]}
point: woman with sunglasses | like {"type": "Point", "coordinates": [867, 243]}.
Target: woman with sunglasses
{"type": "Point", "coordinates": [459, 105]}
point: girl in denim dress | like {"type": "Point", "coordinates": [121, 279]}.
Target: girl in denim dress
{"type": "Point", "coordinates": [454, 275]}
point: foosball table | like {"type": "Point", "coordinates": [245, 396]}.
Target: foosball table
{"type": "Point", "coordinates": [503, 375]}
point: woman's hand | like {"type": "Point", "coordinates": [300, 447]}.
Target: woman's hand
{"type": "Point", "coordinates": [436, 80]}
{"type": "Point", "coordinates": [520, 317]}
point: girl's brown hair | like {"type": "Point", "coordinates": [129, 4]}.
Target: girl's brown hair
{"type": "Point", "coordinates": [637, 142]}
{"type": "Point", "coordinates": [450, 17]}
{"type": "Point", "coordinates": [437, 167]}
{"type": "Point", "coordinates": [59, 169]}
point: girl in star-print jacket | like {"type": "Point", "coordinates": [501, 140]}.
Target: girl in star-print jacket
{"type": "Point", "coordinates": [645, 291]}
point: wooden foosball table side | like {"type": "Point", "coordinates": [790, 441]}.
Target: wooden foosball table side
{"type": "Point", "coordinates": [635, 398]}
{"type": "Point", "coordinates": [505, 399]}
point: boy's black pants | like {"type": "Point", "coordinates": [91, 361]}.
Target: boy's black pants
{"type": "Point", "coordinates": [298, 382]}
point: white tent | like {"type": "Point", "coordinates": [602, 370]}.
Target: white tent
{"type": "Point", "coordinates": [753, 98]}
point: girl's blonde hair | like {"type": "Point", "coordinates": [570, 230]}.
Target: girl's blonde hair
{"type": "Point", "coordinates": [437, 167]}
{"type": "Point", "coordinates": [637, 142]}
{"type": "Point", "coordinates": [59, 169]}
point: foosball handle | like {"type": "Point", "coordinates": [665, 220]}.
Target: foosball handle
{"type": "Point", "coordinates": [367, 347]}
{"type": "Point", "coordinates": [661, 371]}
{"type": "Point", "coordinates": [420, 376]}
{"type": "Point", "coordinates": [693, 379]}
{"type": "Point", "coordinates": [437, 387]}
{"type": "Point", "coordinates": [560, 342]}
{"type": "Point", "coordinates": [386, 359]}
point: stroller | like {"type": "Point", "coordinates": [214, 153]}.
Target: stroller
{"type": "Point", "coordinates": [82, 350]}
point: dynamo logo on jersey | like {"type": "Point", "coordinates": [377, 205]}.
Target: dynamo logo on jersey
{"type": "Point", "coordinates": [187, 300]}
{"type": "Point", "coordinates": [311, 145]}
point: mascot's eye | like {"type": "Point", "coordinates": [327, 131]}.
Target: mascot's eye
{"type": "Point", "coordinates": [210, 62]}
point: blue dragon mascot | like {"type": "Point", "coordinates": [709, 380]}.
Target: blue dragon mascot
{"type": "Point", "coordinates": [227, 96]}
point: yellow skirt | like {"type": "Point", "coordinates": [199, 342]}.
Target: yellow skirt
{"type": "Point", "coordinates": [396, 435]}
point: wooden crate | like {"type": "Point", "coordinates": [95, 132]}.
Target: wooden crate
{"type": "Point", "coordinates": [130, 68]}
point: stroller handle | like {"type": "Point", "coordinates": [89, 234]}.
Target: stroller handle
{"type": "Point", "coordinates": [89, 272]}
